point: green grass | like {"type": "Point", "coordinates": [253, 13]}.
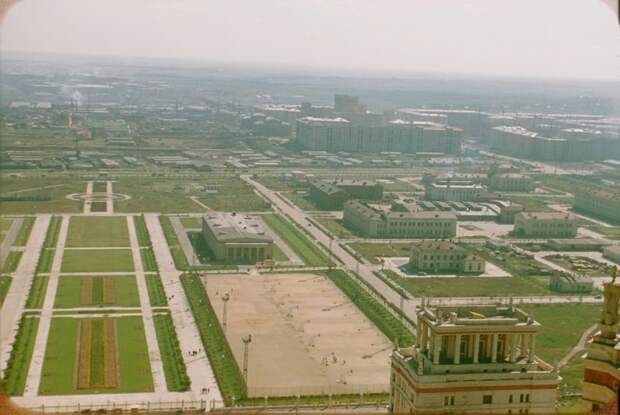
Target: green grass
{"type": "Point", "coordinates": [389, 325]}
{"type": "Point", "coordinates": [278, 254]}
{"type": "Point", "coordinates": [513, 263]}
{"type": "Point", "coordinates": [142, 233]}
{"type": "Point", "coordinates": [572, 374]}
{"type": "Point", "coordinates": [58, 202]}
{"type": "Point", "coordinates": [562, 326]}
{"type": "Point", "coordinates": [296, 240]}
{"type": "Point", "coordinates": [172, 357]}
{"type": "Point", "coordinates": [223, 363]}
{"type": "Point", "coordinates": [16, 371]}
{"type": "Point", "coordinates": [471, 286]}
{"type": "Point", "coordinates": [337, 228]}
{"type": "Point", "coordinates": [45, 260]}
{"type": "Point", "coordinates": [5, 284]}
{"type": "Point", "coordinates": [24, 231]}
{"type": "Point", "coordinates": [191, 222]}
{"type": "Point", "coordinates": [148, 260]}
{"type": "Point", "coordinates": [5, 224]}
{"type": "Point", "coordinates": [100, 187]}
{"type": "Point", "coordinates": [57, 377]}
{"type": "Point", "coordinates": [51, 238]}
{"type": "Point", "coordinates": [100, 231]}
{"type": "Point", "coordinates": [97, 260]}
{"type": "Point", "coordinates": [301, 200]}
{"type": "Point", "coordinates": [372, 251]}
{"type": "Point", "coordinates": [11, 262]}
{"type": "Point", "coordinates": [69, 289]}
{"type": "Point", "coordinates": [180, 261]}
{"type": "Point", "coordinates": [36, 296]}
{"type": "Point", "coordinates": [533, 204]}
{"type": "Point", "coordinates": [157, 294]}
{"type": "Point", "coordinates": [606, 231]}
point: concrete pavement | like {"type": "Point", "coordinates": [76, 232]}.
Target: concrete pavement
{"type": "Point", "coordinates": [9, 238]}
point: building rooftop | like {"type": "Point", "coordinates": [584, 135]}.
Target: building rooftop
{"type": "Point", "coordinates": [546, 215]}
{"type": "Point", "coordinates": [234, 226]}
{"type": "Point", "coordinates": [322, 121]}
{"type": "Point", "coordinates": [437, 246]}
{"type": "Point", "coordinates": [476, 317]}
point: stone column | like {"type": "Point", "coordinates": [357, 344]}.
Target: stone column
{"type": "Point", "coordinates": [494, 348]}
{"type": "Point", "coordinates": [513, 347]}
{"type": "Point", "coordinates": [531, 348]}
{"type": "Point", "coordinates": [523, 345]}
{"type": "Point", "coordinates": [457, 349]}
{"type": "Point", "coordinates": [436, 348]}
{"type": "Point", "coordinates": [476, 347]}
{"type": "Point", "coordinates": [423, 335]}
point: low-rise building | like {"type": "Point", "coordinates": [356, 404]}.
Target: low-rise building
{"type": "Point", "coordinates": [597, 202]}
{"type": "Point", "coordinates": [331, 194]}
{"type": "Point", "coordinates": [507, 213]}
{"type": "Point", "coordinates": [374, 222]}
{"type": "Point", "coordinates": [571, 282]}
{"type": "Point", "coordinates": [236, 238]}
{"type": "Point", "coordinates": [444, 256]}
{"type": "Point", "coordinates": [472, 359]}
{"type": "Point", "coordinates": [578, 244]}
{"type": "Point", "coordinates": [612, 253]}
{"type": "Point", "coordinates": [511, 182]}
{"type": "Point", "coordinates": [455, 192]}
{"type": "Point", "coordinates": [545, 225]}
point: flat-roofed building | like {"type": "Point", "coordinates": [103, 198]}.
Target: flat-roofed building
{"type": "Point", "coordinates": [381, 222]}
{"type": "Point", "coordinates": [598, 202]}
{"type": "Point", "coordinates": [472, 359]}
{"type": "Point", "coordinates": [511, 182]}
{"type": "Point", "coordinates": [545, 225]}
{"type": "Point", "coordinates": [236, 238]}
{"type": "Point", "coordinates": [508, 213]}
{"type": "Point", "coordinates": [456, 192]}
{"type": "Point", "coordinates": [444, 256]}
{"type": "Point", "coordinates": [331, 194]}
{"type": "Point", "coordinates": [571, 282]}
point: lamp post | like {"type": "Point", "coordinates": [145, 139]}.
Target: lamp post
{"type": "Point", "coordinates": [225, 299]}
{"type": "Point", "coordinates": [246, 346]}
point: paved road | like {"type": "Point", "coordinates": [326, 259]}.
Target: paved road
{"type": "Point", "coordinates": [198, 367]}
{"type": "Point", "coordinates": [109, 204]}
{"type": "Point", "coordinates": [15, 300]}
{"type": "Point", "coordinates": [9, 238]}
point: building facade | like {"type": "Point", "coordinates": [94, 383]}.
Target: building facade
{"type": "Point", "coordinates": [572, 282]}
{"type": "Point", "coordinates": [511, 182]}
{"type": "Point", "coordinates": [374, 222]}
{"type": "Point", "coordinates": [331, 194]}
{"type": "Point", "coordinates": [444, 256]}
{"type": "Point", "coordinates": [472, 359]}
{"type": "Point", "coordinates": [454, 192]}
{"type": "Point", "coordinates": [236, 238]}
{"type": "Point", "coordinates": [597, 202]}
{"type": "Point", "coordinates": [545, 225]}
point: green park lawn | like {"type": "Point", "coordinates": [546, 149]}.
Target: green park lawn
{"type": "Point", "coordinates": [5, 283]}
{"type": "Point", "coordinates": [296, 240]}
{"type": "Point", "coordinates": [371, 251]}
{"type": "Point", "coordinates": [59, 364]}
{"type": "Point", "coordinates": [336, 227]}
{"type": "Point", "coordinates": [69, 293]}
{"type": "Point", "coordinates": [97, 260]}
{"type": "Point", "coordinates": [611, 232]}
{"type": "Point", "coordinates": [191, 223]}
{"type": "Point", "coordinates": [101, 231]}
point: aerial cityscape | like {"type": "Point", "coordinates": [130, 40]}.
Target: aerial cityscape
{"type": "Point", "coordinates": [182, 237]}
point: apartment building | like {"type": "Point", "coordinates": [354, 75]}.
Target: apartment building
{"type": "Point", "coordinates": [444, 256]}
{"type": "Point", "coordinates": [545, 225]}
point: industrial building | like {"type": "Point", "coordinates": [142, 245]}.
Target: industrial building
{"type": "Point", "coordinates": [332, 194]}
{"type": "Point", "coordinates": [597, 202]}
{"type": "Point", "coordinates": [444, 256]}
{"type": "Point", "coordinates": [545, 225]}
{"type": "Point", "coordinates": [472, 359]}
{"type": "Point", "coordinates": [236, 238]}
{"type": "Point", "coordinates": [380, 222]}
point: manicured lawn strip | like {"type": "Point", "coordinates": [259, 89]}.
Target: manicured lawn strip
{"type": "Point", "coordinates": [191, 223]}
{"type": "Point", "coordinates": [12, 261]}
{"type": "Point", "coordinates": [606, 231]}
{"type": "Point", "coordinates": [69, 289]}
{"type": "Point", "coordinates": [225, 368]}
{"type": "Point", "coordinates": [562, 326]}
{"type": "Point", "coordinates": [24, 231]}
{"type": "Point", "coordinates": [336, 227]}
{"type": "Point", "coordinates": [148, 260]}
{"type": "Point", "coordinates": [5, 283]}
{"type": "Point", "coordinates": [298, 242]}
{"type": "Point", "coordinates": [372, 309]}
{"type": "Point", "coordinates": [157, 294]}
{"type": "Point", "coordinates": [371, 251]}
{"type": "Point", "coordinates": [471, 286]}
{"type": "Point", "coordinates": [278, 255]}
{"type": "Point", "coordinates": [100, 187]}
{"type": "Point", "coordinates": [51, 238]}
{"type": "Point", "coordinates": [172, 358]}
{"type": "Point", "coordinates": [45, 260]}
{"type": "Point", "coordinates": [16, 371]}
{"type": "Point", "coordinates": [180, 261]}
{"type": "Point", "coordinates": [57, 377]}
{"type": "Point", "coordinates": [142, 233]}
{"type": "Point", "coordinates": [100, 231]}
{"type": "Point", "coordinates": [97, 260]}
{"type": "Point", "coordinates": [36, 296]}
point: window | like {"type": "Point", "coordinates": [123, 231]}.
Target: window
{"type": "Point", "coordinates": [487, 399]}
{"type": "Point", "coordinates": [510, 398]}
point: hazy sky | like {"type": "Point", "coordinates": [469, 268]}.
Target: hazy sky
{"type": "Point", "coordinates": [546, 38]}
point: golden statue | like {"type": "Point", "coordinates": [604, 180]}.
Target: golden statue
{"type": "Point", "coordinates": [611, 293]}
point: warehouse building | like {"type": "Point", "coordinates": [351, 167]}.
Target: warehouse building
{"type": "Point", "coordinates": [236, 238]}
{"type": "Point", "coordinates": [444, 256]}
{"type": "Point", "coordinates": [380, 222]}
{"type": "Point", "coordinates": [545, 225]}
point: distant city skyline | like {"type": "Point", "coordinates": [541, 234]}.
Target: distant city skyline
{"type": "Point", "coordinates": [526, 38]}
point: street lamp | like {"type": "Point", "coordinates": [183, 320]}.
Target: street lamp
{"type": "Point", "coordinates": [225, 299]}
{"type": "Point", "coordinates": [246, 346]}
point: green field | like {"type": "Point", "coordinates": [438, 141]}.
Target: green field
{"type": "Point", "coordinates": [148, 260]}
{"type": "Point", "coordinates": [60, 362]}
{"type": "Point", "coordinates": [87, 291]}
{"type": "Point", "coordinates": [471, 286]}
{"type": "Point", "coordinates": [371, 251]}
{"type": "Point", "coordinates": [191, 223]}
{"type": "Point", "coordinates": [100, 231]}
{"type": "Point", "coordinates": [45, 260]}
{"type": "Point", "coordinates": [296, 240]}
{"type": "Point", "coordinates": [97, 260]}
{"type": "Point", "coordinates": [5, 284]}
{"type": "Point", "coordinates": [24, 231]}
{"type": "Point", "coordinates": [301, 199]}
{"type": "Point", "coordinates": [142, 233]}
{"type": "Point", "coordinates": [19, 362]}
{"type": "Point", "coordinates": [11, 262]}
{"type": "Point", "coordinates": [51, 237]}
{"type": "Point", "coordinates": [157, 294]}
{"type": "Point", "coordinates": [53, 198]}
{"type": "Point", "coordinates": [337, 228]}
{"type": "Point", "coordinates": [610, 232]}
{"type": "Point", "coordinates": [172, 357]}
{"type": "Point", "coordinates": [36, 296]}
{"type": "Point", "coordinates": [278, 254]}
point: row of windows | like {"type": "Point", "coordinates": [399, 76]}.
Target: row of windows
{"type": "Point", "coordinates": [488, 399]}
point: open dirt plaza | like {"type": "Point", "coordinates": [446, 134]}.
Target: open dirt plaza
{"type": "Point", "coordinates": [307, 337]}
